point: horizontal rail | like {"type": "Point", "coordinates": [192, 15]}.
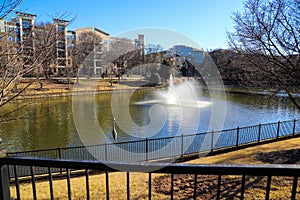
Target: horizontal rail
{"type": "Point", "coordinates": [174, 168]}
{"type": "Point", "coordinates": [220, 173]}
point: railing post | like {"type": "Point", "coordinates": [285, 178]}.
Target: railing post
{"type": "Point", "coordinates": [294, 127]}
{"type": "Point", "coordinates": [105, 151]}
{"type": "Point", "coordinates": [278, 129]}
{"type": "Point", "coordinates": [59, 156]}
{"type": "Point", "coordinates": [147, 150]}
{"type": "Point", "coordinates": [237, 136]}
{"type": "Point", "coordinates": [4, 182]}
{"type": "Point", "coordinates": [259, 132]}
{"type": "Point", "coordinates": [212, 140]}
{"type": "Point", "coordinates": [59, 152]}
{"type": "Point", "coordinates": [181, 144]}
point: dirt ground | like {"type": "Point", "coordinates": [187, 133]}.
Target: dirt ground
{"type": "Point", "coordinates": [283, 152]}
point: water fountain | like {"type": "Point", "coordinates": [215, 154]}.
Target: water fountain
{"type": "Point", "coordinates": [175, 111]}
{"type": "Point", "coordinates": [183, 94]}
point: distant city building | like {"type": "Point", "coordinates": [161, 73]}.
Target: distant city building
{"type": "Point", "coordinates": [17, 31]}
{"type": "Point", "coordinates": [88, 51]}
{"type": "Point", "coordinates": [71, 48]}
{"type": "Point", "coordinates": [23, 33]}
{"type": "Point", "coordinates": [182, 53]}
{"type": "Point", "coordinates": [93, 42]}
{"type": "Point", "coordinates": [60, 65]}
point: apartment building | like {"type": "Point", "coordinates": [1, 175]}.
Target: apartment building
{"type": "Point", "coordinates": [83, 51]}
{"type": "Point", "coordinates": [91, 43]}
{"type": "Point", "coordinates": [23, 37]}
{"type": "Point", "coordinates": [61, 51]}
{"type": "Point", "coordinates": [16, 33]}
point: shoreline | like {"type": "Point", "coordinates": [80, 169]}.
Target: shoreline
{"type": "Point", "coordinates": [103, 86]}
{"type": "Point", "coordinates": [65, 94]}
{"type": "Point", "coordinates": [88, 86]}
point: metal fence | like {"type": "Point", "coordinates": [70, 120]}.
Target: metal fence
{"type": "Point", "coordinates": [225, 181]}
{"type": "Point", "coordinates": [168, 147]}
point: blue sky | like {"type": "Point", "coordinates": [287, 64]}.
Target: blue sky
{"type": "Point", "coordinates": [204, 21]}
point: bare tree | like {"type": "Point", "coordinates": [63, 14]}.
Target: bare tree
{"type": "Point", "coordinates": [124, 55]}
{"type": "Point", "coordinates": [267, 35]}
{"type": "Point", "coordinates": [22, 58]}
{"type": "Point", "coordinates": [7, 6]}
{"type": "Point", "coordinates": [86, 52]}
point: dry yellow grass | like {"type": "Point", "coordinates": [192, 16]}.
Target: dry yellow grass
{"type": "Point", "coordinates": [117, 185]}
{"type": "Point", "coordinates": [139, 181]}
{"type": "Point", "coordinates": [247, 155]}
{"type": "Point", "coordinates": [50, 88]}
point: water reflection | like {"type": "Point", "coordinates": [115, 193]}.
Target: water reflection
{"type": "Point", "coordinates": [49, 122]}
{"type": "Point", "coordinates": [245, 110]}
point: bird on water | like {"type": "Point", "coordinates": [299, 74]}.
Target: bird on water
{"type": "Point", "coordinates": [114, 131]}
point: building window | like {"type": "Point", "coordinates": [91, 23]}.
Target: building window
{"type": "Point", "coordinates": [10, 39]}
{"type": "Point", "coordinates": [61, 54]}
{"type": "Point", "coordinates": [26, 24]}
{"type": "Point", "coordinates": [10, 29]}
{"type": "Point", "coordinates": [61, 28]}
{"type": "Point", "coordinates": [105, 42]}
{"type": "Point", "coordinates": [69, 37]}
{"type": "Point", "coordinates": [61, 63]}
{"type": "Point", "coordinates": [61, 45]}
{"type": "Point", "coordinates": [98, 64]}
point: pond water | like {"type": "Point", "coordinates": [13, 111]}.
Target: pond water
{"type": "Point", "coordinates": [52, 122]}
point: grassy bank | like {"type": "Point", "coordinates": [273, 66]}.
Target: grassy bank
{"type": "Point", "coordinates": [139, 181]}
{"type": "Point", "coordinates": [61, 89]}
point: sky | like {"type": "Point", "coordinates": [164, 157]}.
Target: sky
{"type": "Point", "coordinates": [203, 21]}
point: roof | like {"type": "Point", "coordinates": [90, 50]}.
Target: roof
{"type": "Point", "coordinates": [23, 14]}
{"type": "Point", "coordinates": [105, 33]}
{"type": "Point", "coordinates": [60, 20]}
{"type": "Point", "coordinates": [92, 29]}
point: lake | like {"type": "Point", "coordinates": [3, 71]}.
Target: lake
{"type": "Point", "coordinates": [62, 122]}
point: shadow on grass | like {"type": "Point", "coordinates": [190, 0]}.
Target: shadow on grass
{"type": "Point", "coordinates": [230, 187]}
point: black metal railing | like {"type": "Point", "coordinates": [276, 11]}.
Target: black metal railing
{"type": "Point", "coordinates": [167, 147]}
{"type": "Point", "coordinates": [263, 176]}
